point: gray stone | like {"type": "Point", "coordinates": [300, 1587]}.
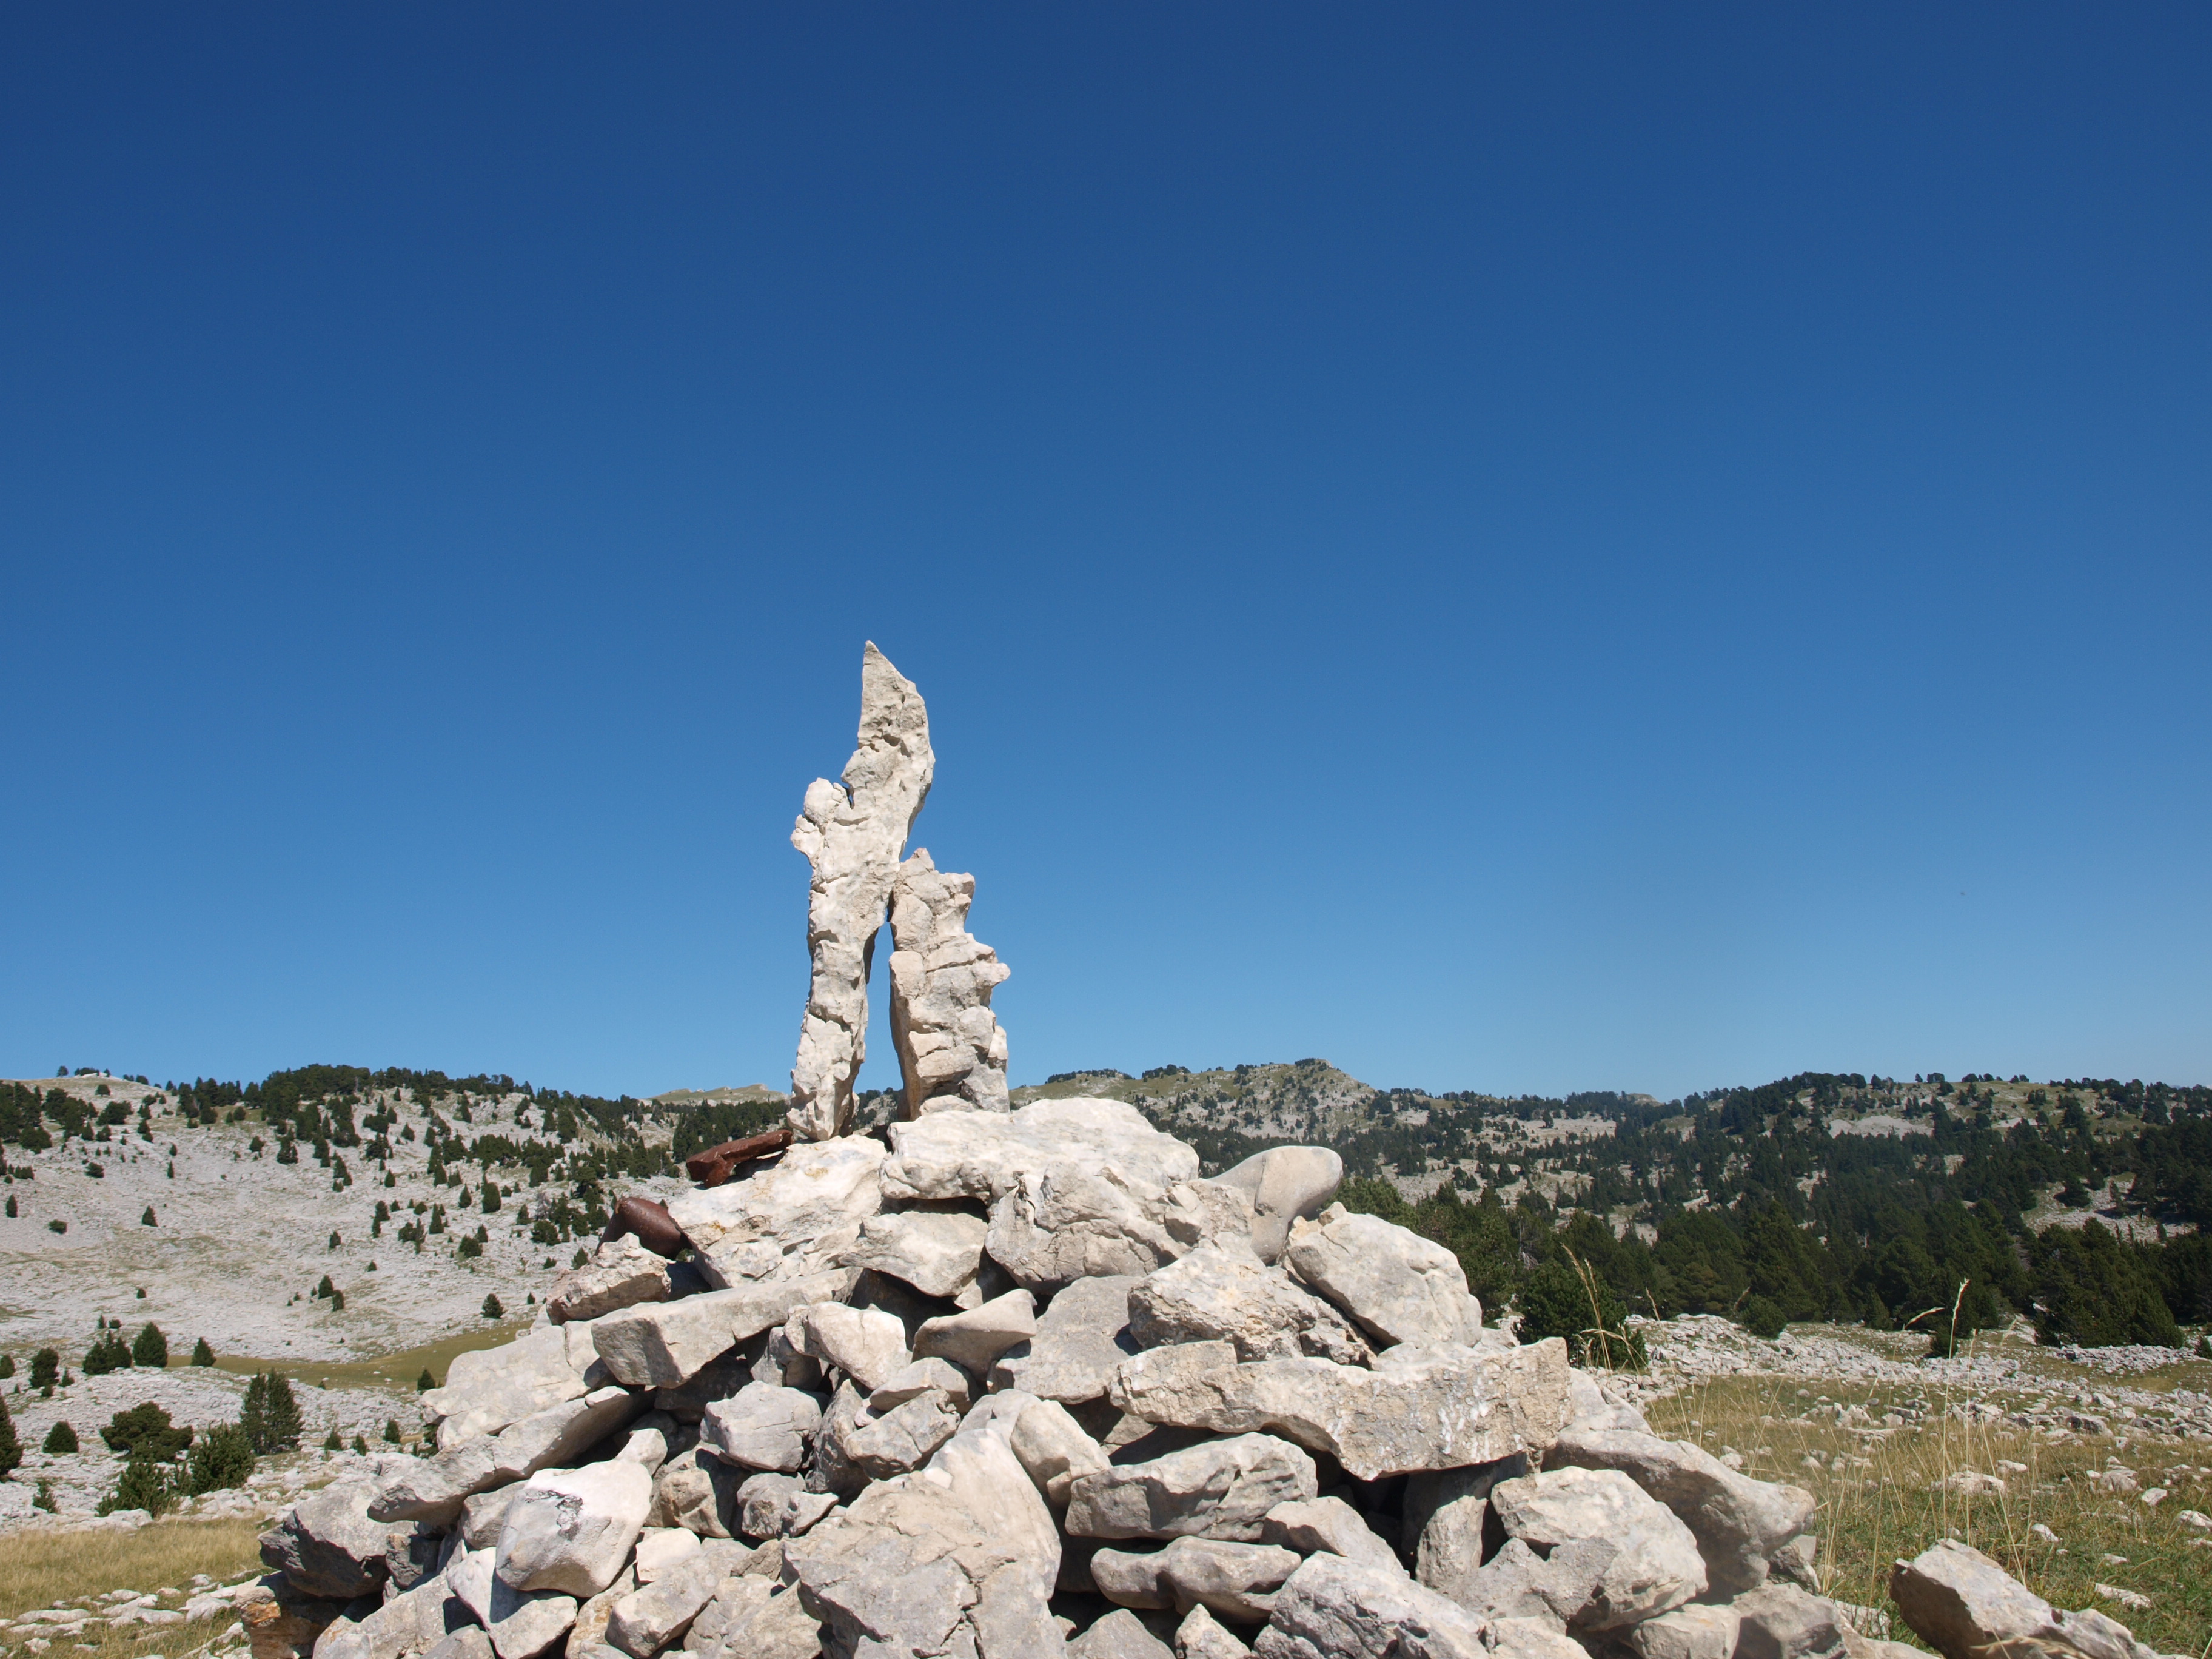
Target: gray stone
{"type": "Point", "coordinates": [487, 1389]}
{"type": "Point", "coordinates": [1964, 1605]}
{"type": "Point", "coordinates": [1421, 1407]}
{"type": "Point", "coordinates": [1080, 1339]}
{"type": "Point", "coordinates": [1234, 1581]}
{"type": "Point", "coordinates": [780, 1628]}
{"type": "Point", "coordinates": [1780, 1621]}
{"type": "Point", "coordinates": [1307, 1524]}
{"type": "Point", "coordinates": [1053, 1448]}
{"type": "Point", "coordinates": [435, 1490]}
{"type": "Point", "coordinates": [902, 1438]}
{"type": "Point", "coordinates": [656, 1614]}
{"type": "Point", "coordinates": [834, 1470]}
{"type": "Point", "coordinates": [798, 1216]}
{"type": "Point", "coordinates": [951, 1047]}
{"type": "Point", "coordinates": [779, 1506]}
{"type": "Point", "coordinates": [660, 1344]}
{"type": "Point", "coordinates": [1698, 1632]}
{"type": "Point", "coordinates": [922, 1377]}
{"type": "Point", "coordinates": [1226, 1293]}
{"type": "Point", "coordinates": [1449, 1552]}
{"type": "Point", "coordinates": [1199, 1637]}
{"type": "Point", "coordinates": [407, 1623]}
{"type": "Point", "coordinates": [1431, 1489]}
{"type": "Point", "coordinates": [1738, 1521]}
{"type": "Point", "coordinates": [736, 1599]}
{"type": "Point", "coordinates": [1284, 1184]}
{"type": "Point", "coordinates": [939, 1252]}
{"type": "Point", "coordinates": [853, 832]}
{"type": "Point", "coordinates": [1217, 1489]}
{"type": "Point", "coordinates": [520, 1624]}
{"type": "Point", "coordinates": [761, 1426]}
{"type": "Point", "coordinates": [723, 1376]}
{"type": "Point", "coordinates": [589, 1632]}
{"type": "Point", "coordinates": [1398, 1287]}
{"type": "Point", "coordinates": [696, 1493]}
{"type": "Point", "coordinates": [484, 1514]}
{"type": "Point", "coordinates": [571, 1531]}
{"type": "Point", "coordinates": [1335, 1609]}
{"type": "Point", "coordinates": [960, 1557]}
{"type": "Point", "coordinates": [1077, 1187]}
{"type": "Point", "coordinates": [661, 1551]}
{"type": "Point", "coordinates": [1650, 1563]}
{"type": "Point", "coordinates": [1120, 1635]}
{"type": "Point", "coordinates": [412, 1553]}
{"type": "Point", "coordinates": [866, 1344]}
{"type": "Point", "coordinates": [620, 1274]}
{"type": "Point", "coordinates": [973, 1340]}
{"type": "Point", "coordinates": [469, 1642]}
{"type": "Point", "coordinates": [326, 1544]}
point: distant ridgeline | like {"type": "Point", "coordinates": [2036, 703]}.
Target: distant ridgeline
{"type": "Point", "coordinates": [2085, 1204]}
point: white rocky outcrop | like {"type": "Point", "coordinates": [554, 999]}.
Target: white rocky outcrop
{"type": "Point", "coordinates": [853, 832]}
{"type": "Point", "coordinates": [950, 1045]}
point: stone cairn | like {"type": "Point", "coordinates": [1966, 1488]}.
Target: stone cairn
{"type": "Point", "coordinates": [1025, 1385]}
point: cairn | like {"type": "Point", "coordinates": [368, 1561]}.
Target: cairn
{"type": "Point", "coordinates": [1025, 1384]}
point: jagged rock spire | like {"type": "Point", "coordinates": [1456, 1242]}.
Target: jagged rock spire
{"type": "Point", "coordinates": [853, 832]}
{"type": "Point", "coordinates": [951, 1047]}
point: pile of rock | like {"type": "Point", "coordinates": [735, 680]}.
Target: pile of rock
{"type": "Point", "coordinates": [1022, 1385]}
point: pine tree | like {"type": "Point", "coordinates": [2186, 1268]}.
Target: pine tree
{"type": "Point", "coordinates": [492, 1309]}
{"type": "Point", "coordinates": [45, 1365]}
{"type": "Point", "coordinates": [203, 1354]}
{"type": "Point", "coordinates": [60, 1439]}
{"type": "Point", "coordinates": [391, 1434]}
{"type": "Point", "coordinates": [222, 1457]}
{"type": "Point", "coordinates": [331, 1442]}
{"type": "Point", "coordinates": [7, 1366]}
{"type": "Point", "coordinates": [334, 1238]}
{"type": "Point", "coordinates": [425, 1381]}
{"type": "Point", "coordinates": [11, 1449]}
{"type": "Point", "coordinates": [254, 1412]}
{"type": "Point", "coordinates": [151, 1349]}
{"type": "Point", "coordinates": [147, 1219]}
{"type": "Point", "coordinates": [325, 1287]}
{"type": "Point", "coordinates": [280, 1416]}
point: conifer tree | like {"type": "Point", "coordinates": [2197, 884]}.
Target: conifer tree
{"type": "Point", "coordinates": [11, 1451]}
{"type": "Point", "coordinates": [280, 1415]}
{"type": "Point", "coordinates": [147, 1219]}
{"type": "Point", "coordinates": [151, 1349]}
{"type": "Point", "coordinates": [492, 1308]}
{"type": "Point", "coordinates": [203, 1354]}
{"type": "Point", "coordinates": [45, 1365]}
{"type": "Point", "coordinates": [60, 1439]}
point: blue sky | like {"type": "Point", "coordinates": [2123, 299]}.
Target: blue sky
{"type": "Point", "coordinates": [1515, 549]}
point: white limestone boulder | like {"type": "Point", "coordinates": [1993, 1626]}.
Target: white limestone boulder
{"type": "Point", "coordinates": [1307, 1524]}
{"type": "Point", "coordinates": [973, 1339]}
{"type": "Point", "coordinates": [664, 1344]}
{"type": "Point", "coordinates": [1284, 1184]}
{"type": "Point", "coordinates": [1397, 1285]}
{"type": "Point", "coordinates": [488, 1388]}
{"type": "Point", "coordinates": [1216, 1489]}
{"type": "Point", "coordinates": [1334, 1608]}
{"type": "Point", "coordinates": [952, 1051]}
{"type": "Point", "coordinates": [326, 1545]}
{"type": "Point", "coordinates": [1231, 1580]}
{"type": "Point", "coordinates": [1422, 1407]}
{"type": "Point", "coordinates": [1053, 1448]}
{"type": "Point", "coordinates": [620, 1274]}
{"type": "Point", "coordinates": [761, 1426]}
{"type": "Point", "coordinates": [1079, 1341]}
{"type": "Point", "coordinates": [1649, 1564]}
{"type": "Point", "coordinates": [795, 1216]}
{"type": "Point", "coordinates": [572, 1530]}
{"type": "Point", "coordinates": [939, 1252]}
{"type": "Point", "coordinates": [866, 1344]}
{"type": "Point", "coordinates": [1227, 1292]}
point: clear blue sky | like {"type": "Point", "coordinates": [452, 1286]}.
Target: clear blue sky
{"type": "Point", "coordinates": [1511, 547]}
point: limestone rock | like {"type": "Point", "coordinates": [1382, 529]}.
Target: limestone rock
{"type": "Point", "coordinates": [1077, 1186]}
{"type": "Point", "coordinates": [736, 1599]}
{"type": "Point", "coordinates": [483, 1515]}
{"type": "Point", "coordinates": [571, 1531]}
{"type": "Point", "coordinates": [696, 1493]}
{"type": "Point", "coordinates": [1780, 1621]}
{"type": "Point", "coordinates": [1739, 1523]}
{"type": "Point", "coordinates": [853, 833]}
{"type": "Point", "coordinates": [780, 1628]}
{"type": "Point", "coordinates": [973, 1340]}
{"type": "Point", "coordinates": [1334, 1608]}
{"type": "Point", "coordinates": [959, 1557]}
{"type": "Point", "coordinates": [720, 1377]}
{"type": "Point", "coordinates": [654, 1615]}
{"type": "Point", "coordinates": [660, 1551]}
{"type": "Point", "coordinates": [834, 1469]}
{"type": "Point", "coordinates": [1398, 1287]}
{"type": "Point", "coordinates": [1234, 1581]}
{"type": "Point", "coordinates": [786, 1219]}
{"type": "Point", "coordinates": [589, 1630]}
{"type": "Point", "coordinates": [921, 1376]}
{"type": "Point", "coordinates": [1307, 1524]}
{"type": "Point", "coordinates": [621, 1273]}
{"type": "Point", "coordinates": [761, 1426]}
{"type": "Point", "coordinates": [1080, 1339]}
{"type": "Point", "coordinates": [1120, 1635]}
{"type": "Point", "coordinates": [1651, 1563]}
{"type": "Point", "coordinates": [868, 1346]}
{"type": "Point", "coordinates": [1217, 1489]}
{"type": "Point", "coordinates": [488, 1388]}
{"type": "Point", "coordinates": [1229, 1294]}
{"type": "Point", "coordinates": [902, 1438]}
{"type": "Point", "coordinates": [1198, 1636]}
{"type": "Point", "coordinates": [939, 1252]}
{"type": "Point", "coordinates": [780, 1506]}
{"type": "Point", "coordinates": [1449, 1552]}
{"type": "Point", "coordinates": [1697, 1632]}
{"type": "Point", "coordinates": [1284, 1184]}
{"type": "Point", "coordinates": [660, 1345]}
{"type": "Point", "coordinates": [411, 1554]}
{"type": "Point", "coordinates": [952, 1049]}
{"type": "Point", "coordinates": [1422, 1407]}
{"type": "Point", "coordinates": [520, 1624]}
{"type": "Point", "coordinates": [280, 1621]}
{"type": "Point", "coordinates": [326, 1545]}
{"type": "Point", "coordinates": [469, 1642]}
{"type": "Point", "coordinates": [1053, 1448]}
{"type": "Point", "coordinates": [435, 1490]}
{"type": "Point", "coordinates": [1962, 1603]}
{"type": "Point", "coordinates": [409, 1623]}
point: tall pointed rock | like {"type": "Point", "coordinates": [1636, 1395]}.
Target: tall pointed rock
{"type": "Point", "coordinates": [951, 1047]}
{"type": "Point", "coordinates": [853, 833]}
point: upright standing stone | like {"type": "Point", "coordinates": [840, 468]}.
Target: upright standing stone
{"type": "Point", "coordinates": [951, 1047]}
{"type": "Point", "coordinates": [853, 833]}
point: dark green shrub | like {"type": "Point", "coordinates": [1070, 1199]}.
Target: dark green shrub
{"type": "Point", "coordinates": [145, 1486]}
{"type": "Point", "coordinates": [151, 1349]}
{"type": "Point", "coordinates": [1762, 1315]}
{"type": "Point", "coordinates": [60, 1439]}
{"type": "Point", "coordinates": [145, 1432]}
{"type": "Point", "coordinates": [203, 1354]}
{"type": "Point", "coordinates": [222, 1457]}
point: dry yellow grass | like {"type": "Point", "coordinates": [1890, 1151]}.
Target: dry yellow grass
{"type": "Point", "coordinates": [1881, 1495]}
{"type": "Point", "coordinates": [38, 1569]}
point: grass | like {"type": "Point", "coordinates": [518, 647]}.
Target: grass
{"type": "Point", "coordinates": [1878, 1485]}
{"type": "Point", "coordinates": [39, 1569]}
{"type": "Point", "coordinates": [392, 1370]}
